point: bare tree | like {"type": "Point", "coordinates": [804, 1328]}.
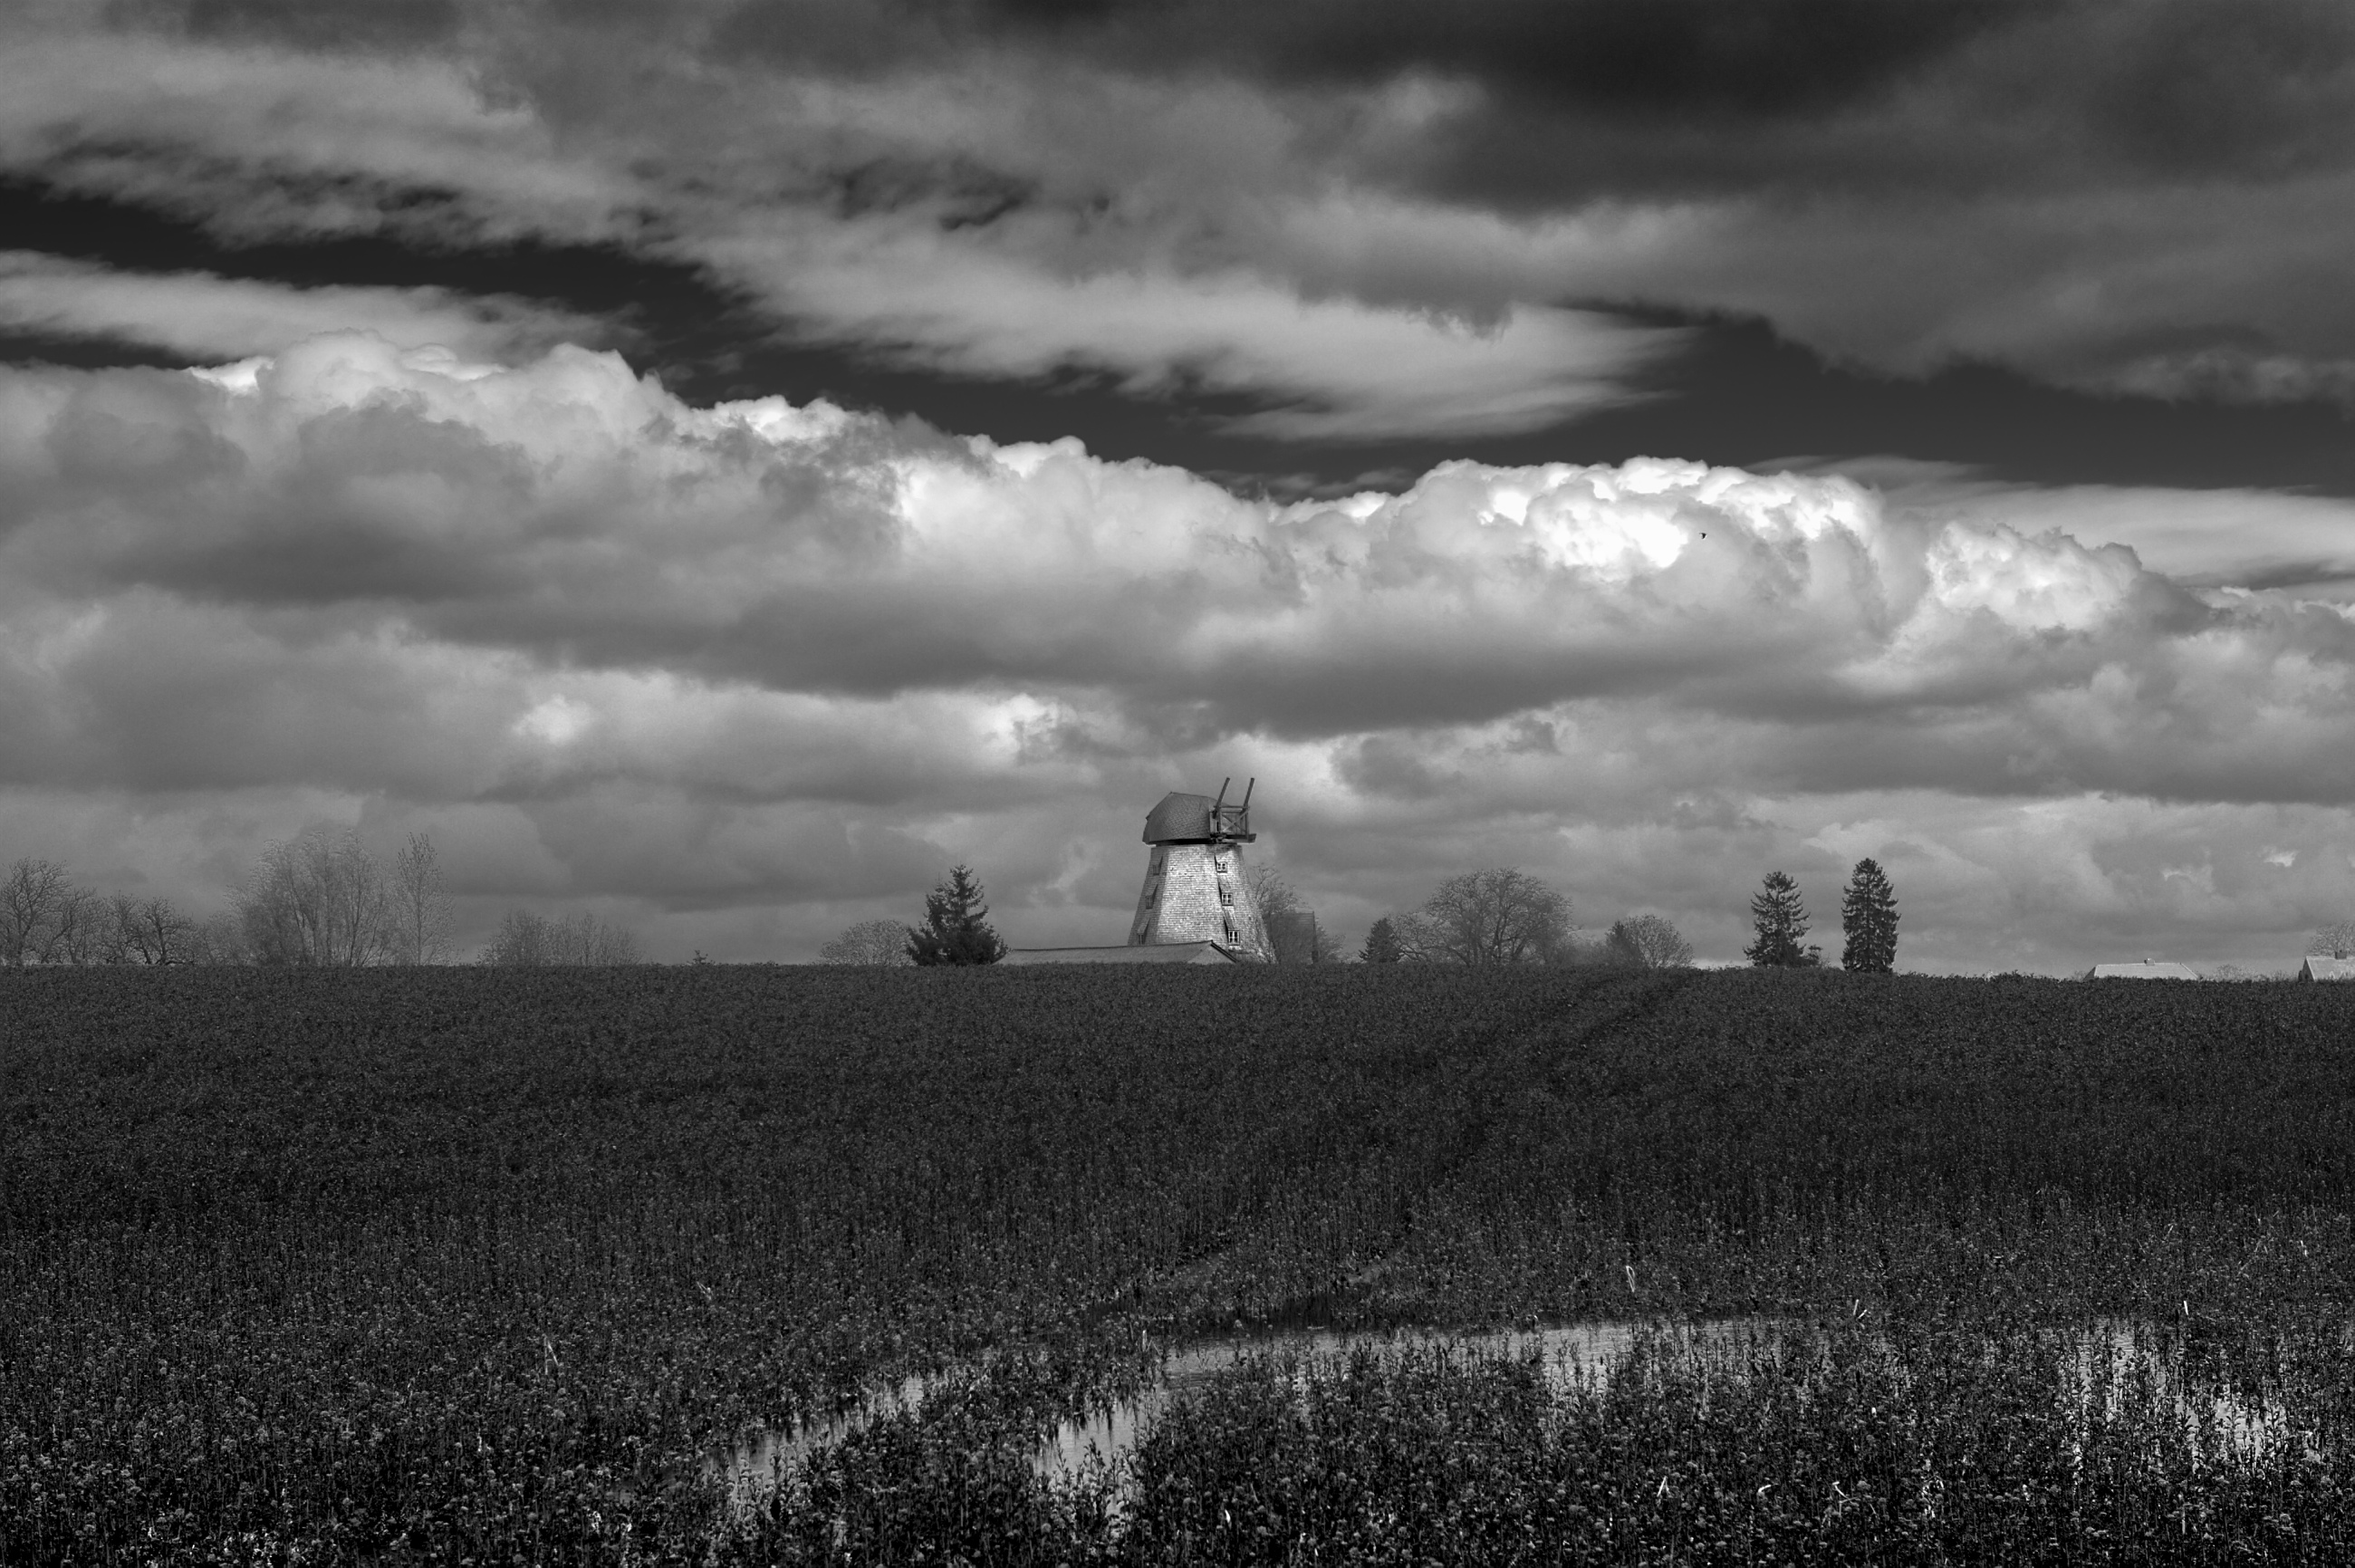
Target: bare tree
{"type": "Point", "coordinates": [149, 931]}
{"type": "Point", "coordinates": [1416, 939]}
{"type": "Point", "coordinates": [1271, 891]}
{"type": "Point", "coordinates": [2336, 940]}
{"type": "Point", "coordinates": [528, 940]}
{"type": "Point", "coordinates": [219, 938]}
{"type": "Point", "coordinates": [1647, 942]}
{"type": "Point", "coordinates": [420, 920]}
{"type": "Point", "coordinates": [523, 939]}
{"type": "Point", "coordinates": [1501, 916]}
{"type": "Point", "coordinates": [872, 942]}
{"type": "Point", "coordinates": [1294, 934]}
{"type": "Point", "coordinates": [32, 902]}
{"type": "Point", "coordinates": [78, 929]}
{"type": "Point", "coordinates": [585, 939]}
{"type": "Point", "coordinates": [319, 898]}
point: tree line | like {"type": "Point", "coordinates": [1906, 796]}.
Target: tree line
{"type": "Point", "coordinates": [1502, 915]}
{"type": "Point", "coordinates": [322, 899]}
{"type": "Point", "coordinates": [1498, 916]}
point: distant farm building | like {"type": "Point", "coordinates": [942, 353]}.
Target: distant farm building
{"type": "Point", "coordinates": [1164, 952]}
{"type": "Point", "coordinates": [2147, 969]}
{"type": "Point", "coordinates": [2318, 967]}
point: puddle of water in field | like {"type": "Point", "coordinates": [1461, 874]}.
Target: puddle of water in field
{"type": "Point", "coordinates": [2124, 1359]}
{"type": "Point", "coordinates": [1568, 1355]}
{"type": "Point", "coordinates": [2232, 1425]}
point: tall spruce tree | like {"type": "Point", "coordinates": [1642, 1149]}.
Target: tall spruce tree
{"type": "Point", "coordinates": [1381, 944]}
{"type": "Point", "coordinates": [1869, 917]}
{"type": "Point", "coordinates": [956, 929]}
{"type": "Point", "coordinates": [1780, 917]}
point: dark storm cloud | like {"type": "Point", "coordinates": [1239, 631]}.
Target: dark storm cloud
{"type": "Point", "coordinates": [1705, 93]}
{"type": "Point", "coordinates": [1577, 96]}
{"type": "Point", "coordinates": [1707, 60]}
{"type": "Point", "coordinates": [314, 24]}
{"type": "Point", "coordinates": [1234, 237]}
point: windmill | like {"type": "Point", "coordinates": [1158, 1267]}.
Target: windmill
{"type": "Point", "coordinates": [1194, 886]}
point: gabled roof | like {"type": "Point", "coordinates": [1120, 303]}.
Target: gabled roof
{"type": "Point", "coordinates": [2318, 967]}
{"type": "Point", "coordinates": [2148, 969]}
{"type": "Point", "coordinates": [1137, 953]}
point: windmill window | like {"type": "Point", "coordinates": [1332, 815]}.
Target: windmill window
{"type": "Point", "coordinates": [1226, 894]}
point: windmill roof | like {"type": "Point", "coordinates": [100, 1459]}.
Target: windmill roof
{"type": "Point", "coordinates": [1182, 818]}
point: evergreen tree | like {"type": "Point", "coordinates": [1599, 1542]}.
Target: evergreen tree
{"type": "Point", "coordinates": [1781, 919]}
{"type": "Point", "coordinates": [956, 929]}
{"type": "Point", "coordinates": [1381, 944]}
{"type": "Point", "coordinates": [1868, 916]}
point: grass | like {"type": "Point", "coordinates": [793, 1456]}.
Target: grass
{"type": "Point", "coordinates": [435, 1264]}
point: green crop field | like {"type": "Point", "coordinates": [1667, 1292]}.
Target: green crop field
{"type": "Point", "coordinates": [439, 1265]}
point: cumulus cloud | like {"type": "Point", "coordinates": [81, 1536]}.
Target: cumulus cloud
{"type": "Point", "coordinates": [2222, 539]}
{"type": "Point", "coordinates": [781, 659]}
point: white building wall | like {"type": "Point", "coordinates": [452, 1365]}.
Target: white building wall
{"type": "Point", "coordinates": [1196, 892]}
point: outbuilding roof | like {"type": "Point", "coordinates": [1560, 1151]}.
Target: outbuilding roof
{"type": "Point", "coordinates": [2318, 966]}
{"type": "Point", "coordinates": [1137, 953]}
{"type": "Point", "coordinates": [2147, 969]}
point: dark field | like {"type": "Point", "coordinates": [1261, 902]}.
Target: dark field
{"type": "Point", "coordinates": [449, 1265]}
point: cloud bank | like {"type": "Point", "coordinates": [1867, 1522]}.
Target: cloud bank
{"type": "Point", "coordinates": [1274, 206]}
{"type": "Point", "coordinates": [747, 671]}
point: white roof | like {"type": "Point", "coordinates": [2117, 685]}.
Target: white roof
{"type": "Point", "coordinates": [1135, 953]}
{"type": "Point", "coordinates": [2317, 968]}
{"type": "Point", "coordinates": [2147, 969]}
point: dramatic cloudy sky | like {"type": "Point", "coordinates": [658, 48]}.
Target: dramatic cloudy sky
{"type": "Point", "coordinates": [716, 462]}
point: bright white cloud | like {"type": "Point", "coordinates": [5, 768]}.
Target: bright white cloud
{"type": "Point", "coordinates": [785, 659]}
{"type": "Point", "coordinates": [2206, 538]}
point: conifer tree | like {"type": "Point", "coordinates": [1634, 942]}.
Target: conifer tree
{"type": "Point", "coordinates": [1381, 944]}
{"type": "Point", "coordinates": [1780, 917]}
{"type": "Point", "coordinates": [1869, 917]}
{"type": "Point", "coordinates": [956, 929]}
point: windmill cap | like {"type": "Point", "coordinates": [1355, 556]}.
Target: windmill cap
{"type": "Point", "coordinates": [1182, 818]}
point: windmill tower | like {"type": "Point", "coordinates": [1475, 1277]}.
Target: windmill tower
{"type": "Point", "coordinates": [1194, 887]}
